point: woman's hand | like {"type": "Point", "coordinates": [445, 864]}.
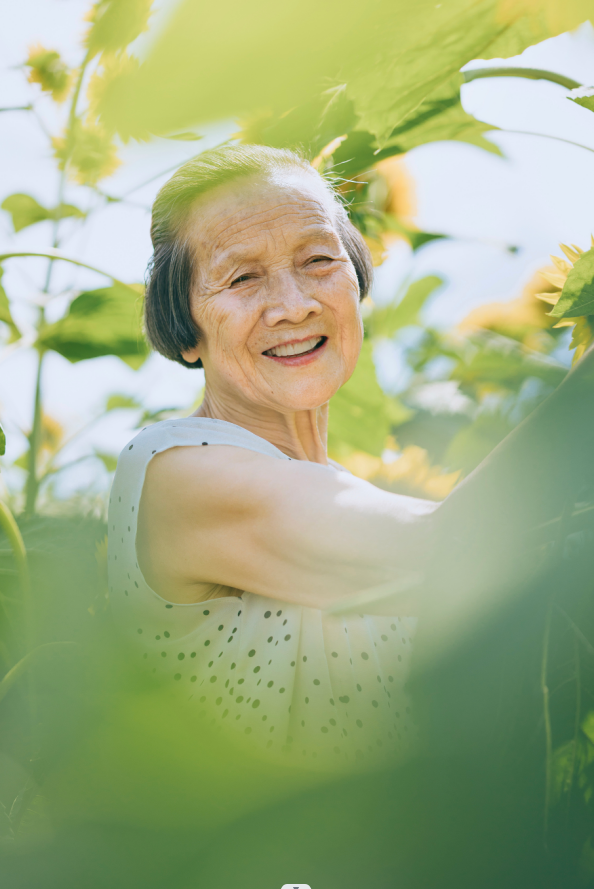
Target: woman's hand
{"type": "Point", "coordinates": [290, 530]}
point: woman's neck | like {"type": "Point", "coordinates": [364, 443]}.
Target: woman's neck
{"type": "Point", "coordinates": [301, 435]}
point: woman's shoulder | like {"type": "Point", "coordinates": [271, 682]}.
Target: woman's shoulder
{"type": "Point", "coordinates": [193, 432]}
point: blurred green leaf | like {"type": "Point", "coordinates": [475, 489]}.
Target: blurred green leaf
{"type": "Point", "coordinates": [163, 413]}
{"type": "Point", "coordinates": [87, 152]}
{"type": "Point", "coordinates": [5, 313]}
{"type": "Point", "coordinates": [577, 296]}
{"type": "Point", "coordinates": [2, 442]}
{"type": "Point", "coordinates": [475, 442]}
{"type": "Point", "coordinates": [185, 137]}
{"type": "Point", "coordinates": [391, 54]}
{"type": "Point", "coordinates": [387, 320]}
{"type": "Point", "coordinates": [100, 322]}
{"type": "Point", "coordinates": [361, 414]}
{"type": "Point", "coordinates": [109, 461]}
{"type": "Point", "coordinates": [440, 117]}
{"type": "Point", "coordinates": [49, 71]}
{"type": "Point", "coordinates": [116, 23]}
{"type": "Point", "coordinates": [25, 211]}
{"type": "Point", "coordinates": [120, 401]}
{"type": "Point", "coordinates": [503, 362]}
{"type": "Point", "coordinates": [583, 96]}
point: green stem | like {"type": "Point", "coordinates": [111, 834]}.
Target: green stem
{"type": "Point", "coordinates": [548, 136]}
{"type": "Point", "coordinates": [577, 720]}
{"type": "Point", "coordinates": [55, 255]}
{"type": "Point", "coordinates": [17, 544]}
{"type": "Point", "coordinates": [17, 108]}
{"type": "Point", "coordinates": [528, 73]}
{"type": "Point", "coordinates": [23, 665]}
{"type": "Point", "coordinates": [547, 717]}
{"type": "Point", "coordinates": [32, 486]}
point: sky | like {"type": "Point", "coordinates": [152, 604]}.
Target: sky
{"type": "Point", "coordinates": [539, 194]}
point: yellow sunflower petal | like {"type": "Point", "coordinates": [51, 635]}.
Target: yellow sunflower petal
{"type": "Point", "coordinates": [570, 254]}
{"type": "Point", "coordinates": [564, 267]}
{"type": "Point", "coordinates": [554, 278]}
{"type": "Point", "coordinates": [551, 298]}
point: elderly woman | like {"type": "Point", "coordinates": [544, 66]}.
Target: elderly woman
{"type": "Point", "coordinates": [222, 557]}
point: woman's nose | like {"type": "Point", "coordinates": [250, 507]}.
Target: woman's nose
{"type": "Point", "coordinates": [289, 301]}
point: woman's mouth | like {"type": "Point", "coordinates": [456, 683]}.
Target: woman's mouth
{"type": "Point", "coordinates": [297, 352]}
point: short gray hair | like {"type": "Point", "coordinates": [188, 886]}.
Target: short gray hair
{"type": "Point", "coordinates": [169, 326]}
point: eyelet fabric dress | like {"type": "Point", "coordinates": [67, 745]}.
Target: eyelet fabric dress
{"type": "Point", "coordinates": [288, 678]}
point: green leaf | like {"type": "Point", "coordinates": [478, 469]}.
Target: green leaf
{"type": "Point", "coordinates": [25, 211]}
{"type": "Point", "coordinates": [5, 313]}
{"type": "Point", "coordinates": [109, 461]}
{"type": "Point", "coordinates": [2, 442]}
{"type": "Point", "coordinates": [584, 96]}
{"type": "Point", "coordinates": [115, 402]}
{"type": "Point", "coordinates": [100, 322]}
{"type": "Point", "coordinates": [163, 413]}
{"type": "Point", "coordinates": [473, 443]}
{"type": "Point", "coordinates": [361, 414]}
{"type": "Point", "coordinates": [506, 363]}
{"type": "Point", "coordinates": [387, 320]}
{"type": "Point", "coordinates": [391, 54]}
{"type": "Point", "coordinates": [185, 137]}
{"type": "Point", "coordinates": [116, 23]}
{"type": "Point", "coordinates": [577, 296]}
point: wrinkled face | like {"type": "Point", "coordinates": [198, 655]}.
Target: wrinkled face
{"type": "Point", "coordinates": [275, 295]}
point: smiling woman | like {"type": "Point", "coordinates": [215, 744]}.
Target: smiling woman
{"type": "Point", "coordinates": [223, 558]}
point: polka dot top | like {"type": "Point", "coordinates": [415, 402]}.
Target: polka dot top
{"type": "Point", "coordinates": [288, 678]}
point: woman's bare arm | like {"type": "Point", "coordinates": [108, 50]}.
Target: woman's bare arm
{"type": "Point", "coordinates": [294, 530]}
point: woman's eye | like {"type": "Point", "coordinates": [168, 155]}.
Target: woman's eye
{"type": "Point", "coordinates": [241, 279]}
{"type": "Point", "coordinates": [321, 259]}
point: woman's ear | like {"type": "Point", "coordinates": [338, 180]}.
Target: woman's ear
{"type": "Point", "coordinates": [191, 355]}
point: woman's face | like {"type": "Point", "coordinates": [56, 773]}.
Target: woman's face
{"type": "Point", "coordinates": [275, 295]}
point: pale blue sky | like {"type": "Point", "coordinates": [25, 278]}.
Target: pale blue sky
{"type": "Point", "coordinates": [541, 193]}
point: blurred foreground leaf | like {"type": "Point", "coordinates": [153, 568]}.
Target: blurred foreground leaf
{"type": "Point", "coordinates": [100, 322]}
{"type": "Point", "coordinates": [116, 23]}
{"type": "Point", "coordinates": [392, 56]}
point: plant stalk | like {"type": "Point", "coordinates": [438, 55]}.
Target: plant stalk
{"type": "Point", "coordinates": [528, 73]}
{"type": "Point", "coordinates": [32, 486]}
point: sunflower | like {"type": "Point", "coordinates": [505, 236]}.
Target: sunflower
{"type": "Point", "coordinates": [583, 326]}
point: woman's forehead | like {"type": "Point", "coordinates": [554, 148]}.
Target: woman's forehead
{"type": "Point", "coordinates": [293, 202]}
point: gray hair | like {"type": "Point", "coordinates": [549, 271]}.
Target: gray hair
{"type": "Point", "coordinates": [169, 326]}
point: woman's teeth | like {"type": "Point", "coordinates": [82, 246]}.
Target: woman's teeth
{"type": "Point", "coordinates": [295, 348]}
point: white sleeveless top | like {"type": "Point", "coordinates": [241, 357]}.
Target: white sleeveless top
{"type": "Point", "coordinates": [287, 677]}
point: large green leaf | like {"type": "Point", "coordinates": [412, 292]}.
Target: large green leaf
{"type": "Point", "coordinates": [2, 442]}
{"type": "Point", "coordinates": [361, 414]}
{"type": "Point", "coordinates": [577, 296]}
{"type": "Point", "coordinates": [25, 211]}
{"type": "Point", "coordinates": [387, 320]}
{"type": "Point", "coordinates": [222, 60]}
{"type": "Point", "coordinates": [5, 313]}
{"type": "Point", "coordinates": [100, 322]}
